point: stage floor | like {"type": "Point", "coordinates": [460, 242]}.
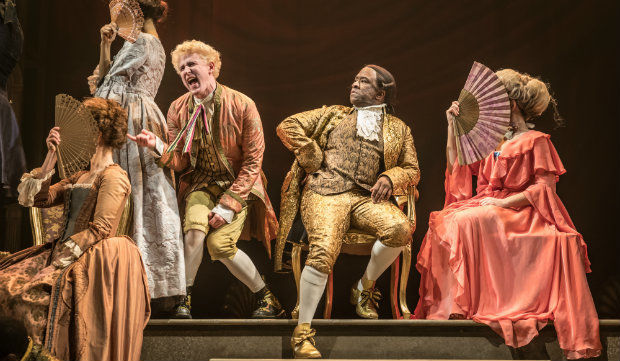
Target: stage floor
{"type": "Point", "coordinates": [206, 339]}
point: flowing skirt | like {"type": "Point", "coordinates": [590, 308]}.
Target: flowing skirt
{"type": "Point", "coordinates": [156, 223]}
{"type": "Point", "coordinates": [509, 269]}
{"type": "Point", "coordinates": [95, 309]}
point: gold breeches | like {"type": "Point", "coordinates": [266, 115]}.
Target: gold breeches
{"type": "Point", "coordinates": [328, 218]}
{"type": "Point", "coordinates": [221, 242]}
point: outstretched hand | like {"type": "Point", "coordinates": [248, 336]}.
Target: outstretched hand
{"type": "Point", "coordinates": [382, 190]}
{"type": "Point", "coordinates": [144, 139]}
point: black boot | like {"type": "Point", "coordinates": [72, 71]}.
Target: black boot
{"type": "Point", "coordinates": [184, 308]}
{"type": "Point", "coordinates": [268, 305]}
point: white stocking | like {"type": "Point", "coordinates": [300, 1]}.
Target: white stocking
{"type": "Point", "coordinates": [312, 285]}
{"type": "Point", "coordinates": [194, 247]}
{"type": "Point", "coordinates": [381, 257]}
{"type": "Point", "coordinates": [242, 267]}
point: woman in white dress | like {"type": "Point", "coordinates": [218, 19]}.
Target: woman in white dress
{"type": "Point", "coordinates": [132, 79]}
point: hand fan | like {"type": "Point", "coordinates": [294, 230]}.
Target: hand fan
{"type": "Point", "coordinates": [484, 115]}
{"type": "Point", "coordinates": [128, 17]}
{"type": "Point", "coordinates": [78, 135]}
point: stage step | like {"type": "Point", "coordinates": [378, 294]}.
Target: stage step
{"type": "Point", "coordinates": [351, 339]}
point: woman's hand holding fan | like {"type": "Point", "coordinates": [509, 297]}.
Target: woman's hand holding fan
{"type": "Point", "coordinates": [52, 142]}
{"type": "Point", "coordinates": [452, 112]}
{"type": "Point", "coordinates": [108, 33]}
{"type": "Point", "coordinates": [53, 139]}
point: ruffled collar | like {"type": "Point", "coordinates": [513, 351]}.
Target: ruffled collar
{"type": "Point", "coordinates": [369, 121]}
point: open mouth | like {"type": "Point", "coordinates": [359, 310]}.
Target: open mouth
{"type": "Point", "coordinates": [192, 81]}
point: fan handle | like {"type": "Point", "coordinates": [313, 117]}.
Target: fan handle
{"type": "Point", "coordinates": [60, 164]}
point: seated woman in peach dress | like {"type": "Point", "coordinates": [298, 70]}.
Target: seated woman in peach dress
{"type": "Point", "coordinates": [510, 256]}
{"type": "Point", "coordinates": [85, 295]}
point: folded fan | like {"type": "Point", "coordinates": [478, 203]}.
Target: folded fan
{"type": "Point", "coordinates": [78, 135]}
{"type": "Point", "coordinates": [128, 17]}
{"type": "Point", "coordinates": [484, 115]}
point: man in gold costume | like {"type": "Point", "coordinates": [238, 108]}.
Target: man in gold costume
{"type": "Point", "coordinates": [353, 160]}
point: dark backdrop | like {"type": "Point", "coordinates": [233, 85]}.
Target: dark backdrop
{"type": "Point", "coordinates": [294, 55]}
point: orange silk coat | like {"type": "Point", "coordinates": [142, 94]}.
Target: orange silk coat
{"type": "Point", "coordinates": [240, 146]}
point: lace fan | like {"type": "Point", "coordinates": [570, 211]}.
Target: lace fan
{"type": "Point", "coordinates": [78, 135]}
{"type": "Point", "coordinates": [128, 17]}
{"type": "Point", "coordinates": [484, 115]}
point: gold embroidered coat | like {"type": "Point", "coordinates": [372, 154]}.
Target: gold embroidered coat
{"type": "Point", "coordinates": [306, 135]}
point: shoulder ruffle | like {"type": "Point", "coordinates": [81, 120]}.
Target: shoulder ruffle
{"type": "Point", "coordinates": [533, 153]}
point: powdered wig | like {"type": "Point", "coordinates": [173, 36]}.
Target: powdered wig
{"type": "Point", "coordinates": [531, 94]}
{"type": "Point", "coordinates": [206, 52]}
{"type": "Point", "coordinates": [385, 82]}
{"type": "Point", "coordinates": [111, 119]}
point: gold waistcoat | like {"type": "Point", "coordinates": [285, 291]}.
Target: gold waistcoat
{"type": "Point", "coordinates": [350, 161]}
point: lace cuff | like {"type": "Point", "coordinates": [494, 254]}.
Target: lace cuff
{"type": "Point", "coordinates": [224, 212]}
{"type": "Point", "coordinates": [160, 147]}
{"type": "Point", "coordinates": [30, 185]}
{"type": "Point", "coordinates": [71, 252]}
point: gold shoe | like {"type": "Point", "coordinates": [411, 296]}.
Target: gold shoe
{"type": "Point", "coordinates": [295, 313]}
{"type": "Point", "coordinates": [303, 343]}
{"type": "Point", "coordinates": [366, 302]}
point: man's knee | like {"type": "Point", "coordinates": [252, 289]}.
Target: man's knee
{"type": "Point", "coordinates": [322, 258]}
{"type": "Point", "coordinates": [194, 238]}
{"type": "Point", "coordinates": [399, 234]}
{"type": "Point", "coordinates": [322, 265]}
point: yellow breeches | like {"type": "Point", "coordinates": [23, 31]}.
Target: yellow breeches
{"type": "Point", "coordinates": [328, 218]}
{"type": "Point", "coordinates": [221, 242]}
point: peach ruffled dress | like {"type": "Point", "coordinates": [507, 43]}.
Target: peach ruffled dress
{"type": "Point", "coordinates": [513, 269]}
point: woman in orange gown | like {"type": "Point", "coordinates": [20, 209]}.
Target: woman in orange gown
{"type": "Point", "coordinates": [510, 256]}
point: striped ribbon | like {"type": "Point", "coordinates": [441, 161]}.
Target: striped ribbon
{"type": "Point", "coordinates": [189, 130]}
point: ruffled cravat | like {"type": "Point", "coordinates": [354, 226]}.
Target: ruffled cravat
{"type": "Point", "coordinates": [369, 121]}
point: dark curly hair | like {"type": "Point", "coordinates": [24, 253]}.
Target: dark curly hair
{"type": "Point", "coordinates": [111, 119]}
{"type": "Point", "coordinates": [154, 9]}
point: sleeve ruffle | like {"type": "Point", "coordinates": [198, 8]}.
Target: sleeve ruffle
{"type": "Point", "coordinates": [30, 185]}
{"type": "Point", "coordinates": [458, 183]}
